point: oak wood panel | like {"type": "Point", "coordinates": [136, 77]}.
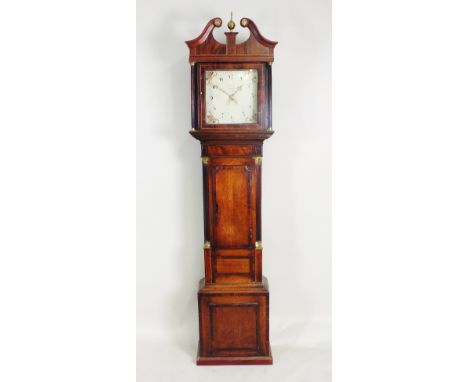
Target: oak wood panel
{"type": "Point", "coordinates": [236, 265]}
{"type": "Point", "coordinates": [234, 327]}
{"type": "Point", "coordinates": [233, 253]}
{"type": "Point", "coordinates": [233, 196]}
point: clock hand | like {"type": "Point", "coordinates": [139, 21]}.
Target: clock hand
{"type": "Point", "coordinates": [231, 98]}
{"type": "Point", "coordinates": [222, 90]}
{"type": "Point", "coordinates": [239, 88]}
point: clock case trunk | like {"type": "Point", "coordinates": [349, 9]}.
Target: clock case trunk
{"type": "Point", "coordinates": [233, 297]}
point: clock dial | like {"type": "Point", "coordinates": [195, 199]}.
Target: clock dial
{"type": "Point", "coordinates": [231, 96]}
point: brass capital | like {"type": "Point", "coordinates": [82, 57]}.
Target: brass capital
{"type": "Point", "coordinates": [204, 160]}
{"type": "Point", "coordinates": [207, 245]}
{"type": "Point", "coordinates": [258, 160]}
{"type": "Point", "coordinates": [258, 245]}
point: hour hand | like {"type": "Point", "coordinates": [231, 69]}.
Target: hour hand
{"type": "Point", "coordinates": [231, 98]}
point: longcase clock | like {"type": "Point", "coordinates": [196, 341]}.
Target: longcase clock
{"type": "Point", "coordinates": [231, 117]}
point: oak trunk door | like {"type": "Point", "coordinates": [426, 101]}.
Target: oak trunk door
{"type": "Point", "coordinates": [233, 202]}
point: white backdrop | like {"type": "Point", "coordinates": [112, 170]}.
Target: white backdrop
{"type": "Point", "coordinates": [296, 191]}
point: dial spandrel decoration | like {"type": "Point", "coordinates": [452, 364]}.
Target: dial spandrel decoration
{"type": "Point", "coordinates": [231, 96]}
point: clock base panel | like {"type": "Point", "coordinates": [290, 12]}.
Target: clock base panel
{"type": "Point", "coordinates": [234, 324]}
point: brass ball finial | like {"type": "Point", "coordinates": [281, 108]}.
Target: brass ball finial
{"type": "Point", "coordinates": [231, 24]}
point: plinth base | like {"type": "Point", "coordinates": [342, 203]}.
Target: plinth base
{"type": "Point", "coordinates": [234, 324]}
{"type": "Point", "coordinates": [245, 360]}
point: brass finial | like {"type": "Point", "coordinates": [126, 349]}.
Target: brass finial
{"type": "Point", "coordinates": [231, 24]}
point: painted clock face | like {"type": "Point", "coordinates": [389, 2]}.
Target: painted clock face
{"type": "Point", "coordinates": [231, 96]}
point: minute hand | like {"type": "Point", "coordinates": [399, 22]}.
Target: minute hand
{"type": "Point", "coordinates": [239, 88]}
{"type": "Point", "coordinates": [231, 98]}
